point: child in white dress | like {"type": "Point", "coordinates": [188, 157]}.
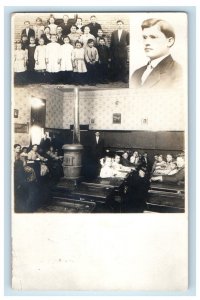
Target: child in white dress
{"type": "Point", "coordinates": [20, 58]}
{"type": "Point", "coordinates": [66, 60]}
{"type": "Point", "coordinates": [53, 60]}
{"type": "Point", "coordinates": [79, 66]}
{"type": "Point", "coordinates": [40, 62]}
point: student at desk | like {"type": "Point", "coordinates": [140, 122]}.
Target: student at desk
{"type": "Point", "coordinates": [107, 170]}
{"type": "Point", "coordinates": [175, 176]}
{"type": "Point", "coordinates": [33, 155]}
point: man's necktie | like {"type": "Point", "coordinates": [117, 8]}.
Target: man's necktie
{"type": "Point", "coordinates": [146, 73]}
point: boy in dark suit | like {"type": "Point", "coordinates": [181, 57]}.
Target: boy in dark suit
{"type": "Point", "coordinates": [28, 31]}
{"type": "Point", "coordinates": [161, 71]}
{"type": "Point", "coordinates": [94, 26]}
{"type": "Point", "coordinates": [119, 53]}
{"type": "Point", "coordinates": [104, 58]}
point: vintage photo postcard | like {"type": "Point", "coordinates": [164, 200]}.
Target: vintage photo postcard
{"type": "Point", "coordinates": [100, 151]}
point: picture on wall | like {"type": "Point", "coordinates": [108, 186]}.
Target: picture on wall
{"type": "Point", "coordinates": [116, 118]}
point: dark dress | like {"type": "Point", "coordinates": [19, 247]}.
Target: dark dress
{"type": "Point", "coordinates": [137, 192]}
{"type": "Point", "coordinates": [31, 60]}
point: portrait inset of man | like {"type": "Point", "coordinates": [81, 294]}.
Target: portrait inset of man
{"type": "Point", "coordinates": [162, 71]}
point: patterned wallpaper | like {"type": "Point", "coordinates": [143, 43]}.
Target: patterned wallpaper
{"type": "Point", "coordinates": [138, 111]}
{"type": "Point", "coordinates": [54, 108]}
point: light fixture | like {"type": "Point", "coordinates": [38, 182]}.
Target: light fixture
{"type": "Point", "coordinates": [37, 102]}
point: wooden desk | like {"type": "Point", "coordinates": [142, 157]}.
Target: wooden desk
{"type": "Point", "coordinates": [166, 197]}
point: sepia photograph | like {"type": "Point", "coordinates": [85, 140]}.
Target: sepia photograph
{"type": "Point", "coordinates": [71, 49]}
{"type": "Point", "coordinates": [99, 128]}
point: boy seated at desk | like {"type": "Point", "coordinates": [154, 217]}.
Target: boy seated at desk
{"type": "Point", "coordinates": [168, 168]}
{"type": "Point", "coordinates": [113, 168]}
{"type": "Point", "coordinates": [174, 176]}
{"type": "Point", "coordinates": [107, 170]}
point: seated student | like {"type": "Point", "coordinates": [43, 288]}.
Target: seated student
{"type": "Point", "coordinates": [101, 35]}
{"type": "Point", "coordinates": [116, 163]}
{"type": "Point", "coordinates": [121, 171]}
{"type": "Point", "coordinates": [73, 35]}
{"type": "Point", "coordinates": [161, 71]}
{"type": "Point", "coordinates": [54, 163]}
{"type": "Point", "coordinates": [107, 169]}
{"type": "Point", "coordinates": [91, 57]}
{"type": "Point", "coordinates": [145, 163]}
{"type": "Point", "coordinates": [24, 182]}
{"type": "Point", "coordinates": [167, 167]}
{"type": "Point", "coordinates": [104, 58]}
{"type": "Point", "coordinates": [134, 159]}
{"type": "Point", "coordinates": [33, 155]}
{"type": "Point", "coordinates": [174, 176]}
{"type": "Point", "coordinates": [125, 161]}
{"type": "Point", "coordinates": [161, 164]}
{"type": "Point", "coordinates": [154, 163]}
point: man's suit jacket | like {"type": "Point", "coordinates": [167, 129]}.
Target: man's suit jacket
{"type": "Point", "coordinates": [166, 74]}
{"type": "Point", "coordinates": [119, 47]}
{"type": "Point", "coordinates": [93, 28]}
{"type": "Point", "coordinates": [31, 33]}
{"type": "Point", "coordinates": [98, 148]}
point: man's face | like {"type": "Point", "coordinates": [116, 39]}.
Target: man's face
{"type": "Point", "coordinates": [160, 158]}
{"type": "Point", "coordinates": [156, 44]}
{"type": "Point", "coordinates": [38, 22]}
{"type": "Point", "coordinates": [93, 19]}
{"type": "Point", "coordinates": [27, 24]}
{"type": "Point", "coordinates": [65, 19]}
{"type": "Point", "coordinates": [35, 148]}
{"type": "Point", "coordinates": [119, 25]}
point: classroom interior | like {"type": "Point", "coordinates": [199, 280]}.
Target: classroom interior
{"type": "Point", "coordinates": [126, 120]}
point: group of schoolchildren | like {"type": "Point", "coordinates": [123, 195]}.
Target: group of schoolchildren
{"type": "Point", "coordinates": [67, 54]}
